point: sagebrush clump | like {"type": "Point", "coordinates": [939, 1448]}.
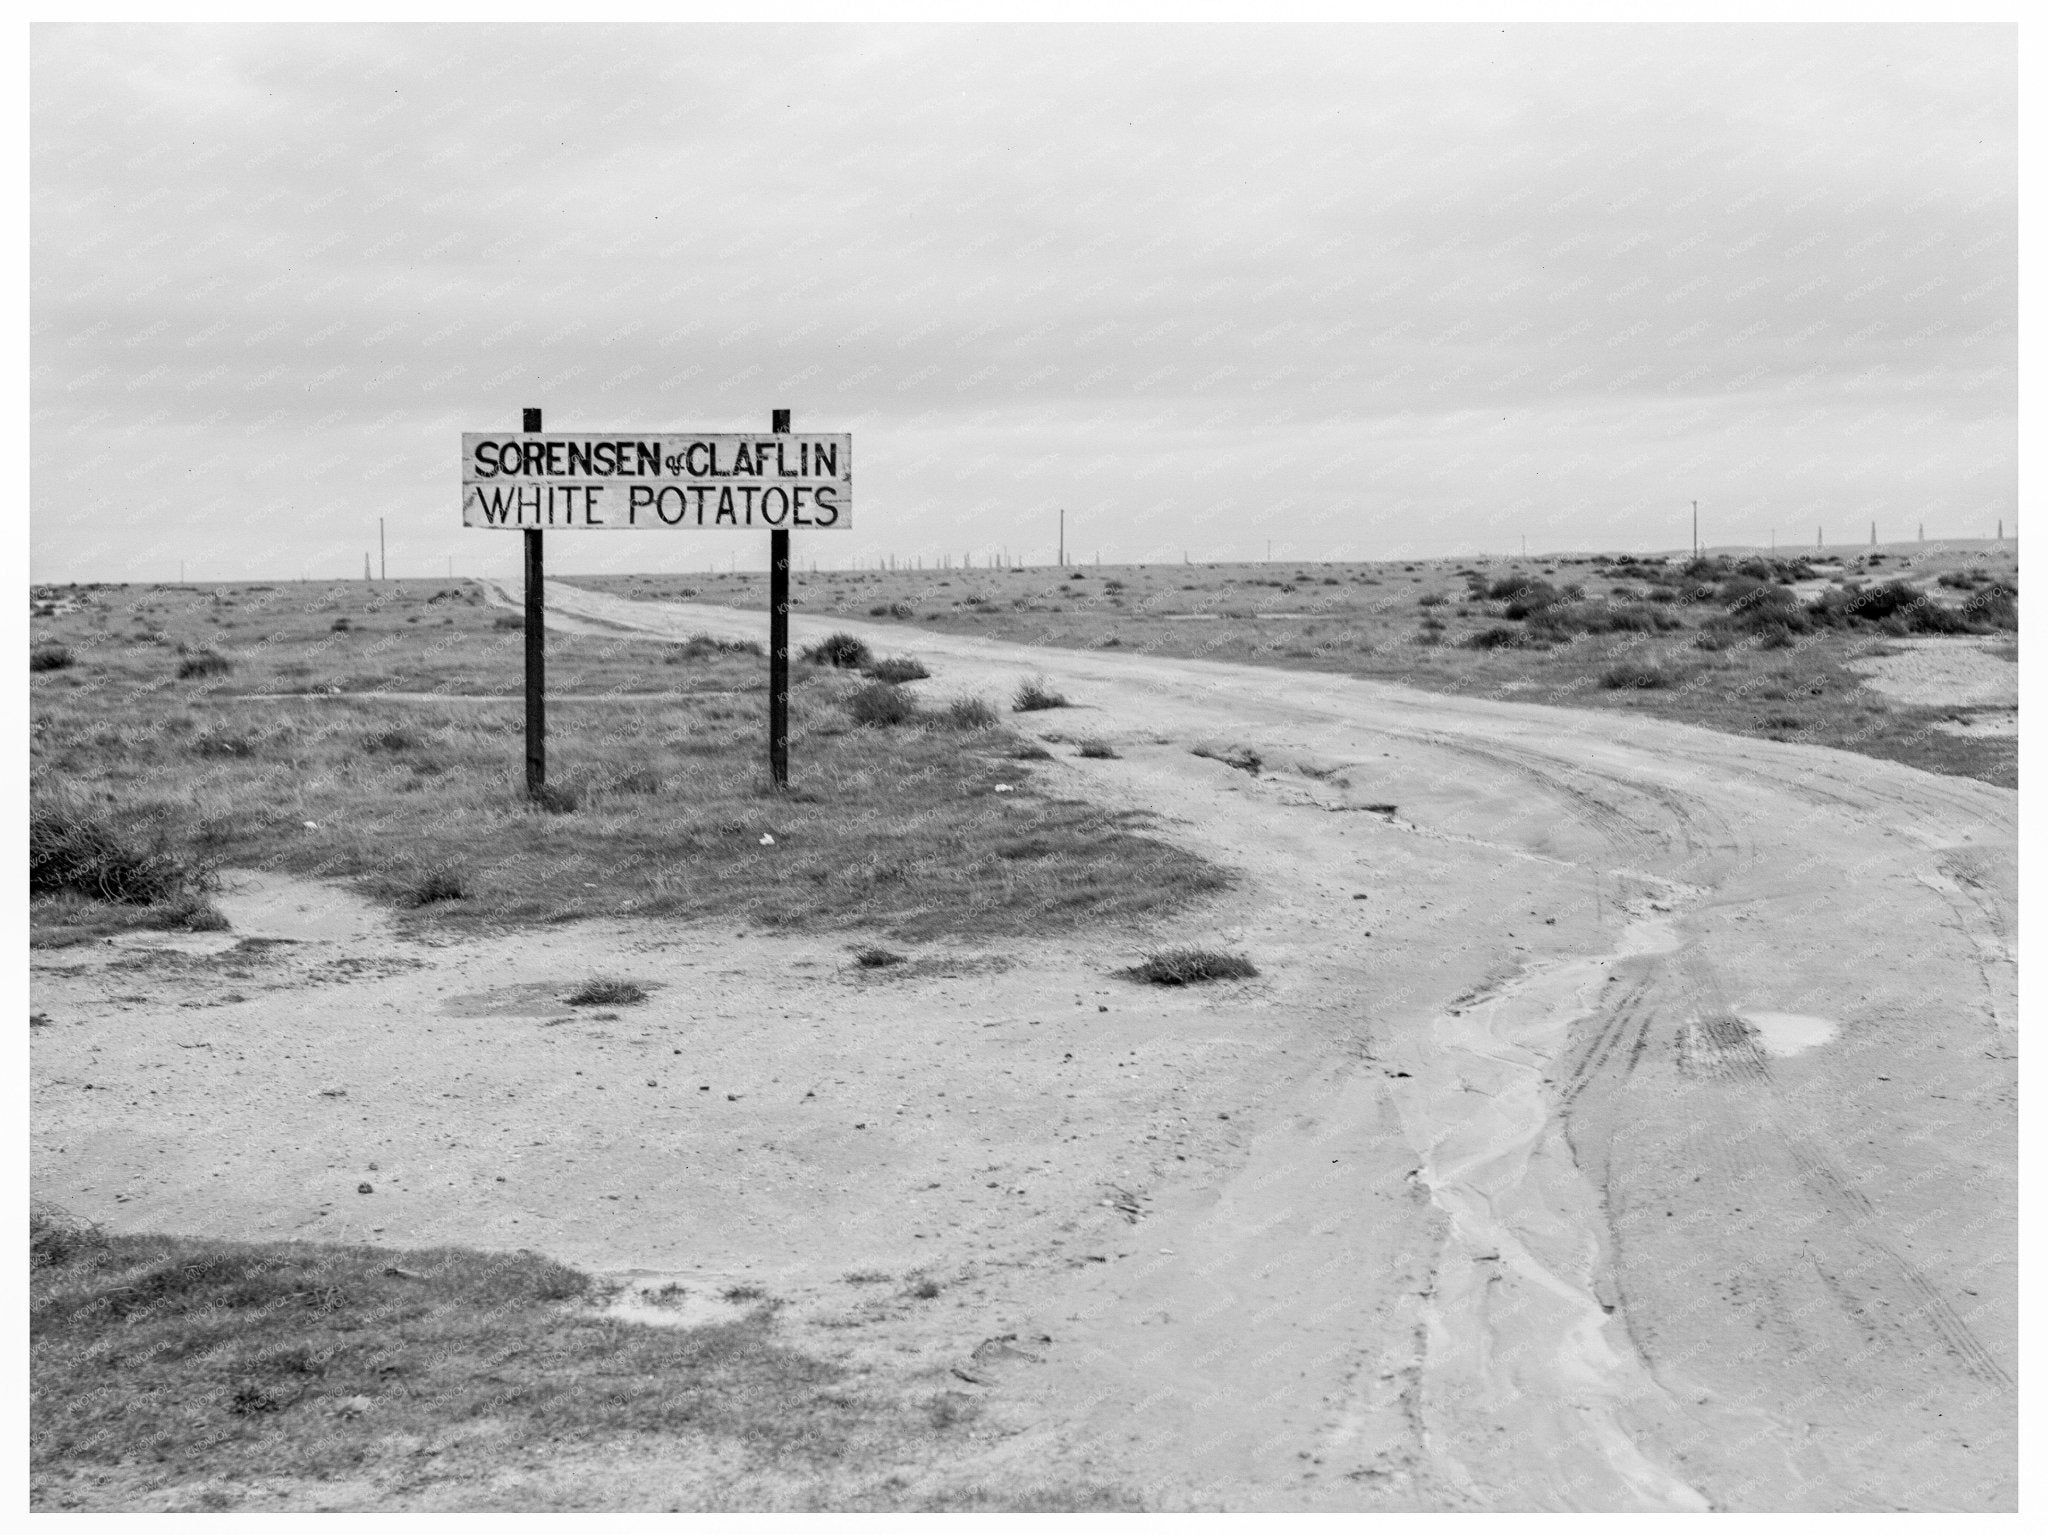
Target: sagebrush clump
{"type": "Point", "coordinates": [604, 991]}
{"type": "Point", "coordinates": [128, 856]}
{"type": "Point", "coordinates": [841, 650]}
{"type": "Point", "coordinates": [898, 669]}
{"type": "Point", "coordinates": [1036, 693]}
{"type": "Point", "coordinates": [1189, 967]}
{"type": "Point", "coordinates": [881, 704]}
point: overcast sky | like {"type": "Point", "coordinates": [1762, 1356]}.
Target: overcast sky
{"type": "Point", "coordinates": [1364, 292]}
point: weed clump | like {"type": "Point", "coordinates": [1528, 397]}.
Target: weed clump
{"type": "Point", "coordinates": [969, 714]}
{"type": "Point", "coordinates": [841, 650]}
{"type": "Point", "coordinates": [604, 991]}
{"type": "Point", "coordinates": [190, 912]}
{"type": "Point", "coordinates": [506, 621]}
{"type": "Point", "coordinates": [1639, 674]}
{"type": "Point", "coordinates": [433, 886]}
{"type": "Point", "coordinates": [699, 647]}
{"type": "Point", "coordinates": [557, 799]}
{"type": "Point", "coordinates": [881, 704]}
{"type": "Point", "coordinates": [1100, 750]}
{"type": "Point", "coordinates": [1532, 598]}
{"type": "Point", "coordinates": [1189, 967]}
{"type": "Point", "coordinates": [874, 958]}
{"type": "Point", "coordinates": [1510, 586]}
{"type": "Point", "coordinates": [204, 663]}
{"type": "Point", "coordinates": [1034, 693]}
{"type": "Point", "coordinates": [898, 669]}
{"type": "Point", "coordinates": [1497, 637]}
{"type": "Point", "coordinates": [49, 658]}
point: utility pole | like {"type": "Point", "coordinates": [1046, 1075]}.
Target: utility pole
{"type": "Point", "coordinates": [1695, 530]}
{"type": "Point", "coordinates": [1818, 541]}
{"type": "Point", "coordinates": [383, 571]}
{"type": "Point", "coordinates": [1063, 535]}
{"type": "Point", "coordinates": [1873, 535]}
{"type": "Point", "coordinates": [366, 565]}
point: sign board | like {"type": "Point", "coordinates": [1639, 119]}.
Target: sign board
{"type": "Point", "coordinates": [642, 480]}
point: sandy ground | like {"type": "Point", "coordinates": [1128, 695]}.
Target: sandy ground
{"type": "Point", "coordinates": [1623, 1120]}
{"type": "Point", "coordinates": [1968, 673]}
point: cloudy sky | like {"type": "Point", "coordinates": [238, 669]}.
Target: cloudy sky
{"type": "Point", "coordinates": [1361, 292]}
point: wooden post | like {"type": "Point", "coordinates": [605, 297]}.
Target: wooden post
{"type": "Point", "coordinates": [778, 640]}
{"type": "Point", "coordinates": [536, 649]}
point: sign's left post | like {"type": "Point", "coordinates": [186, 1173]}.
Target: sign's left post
{"type": "Point", "coordinates": [536, 648]}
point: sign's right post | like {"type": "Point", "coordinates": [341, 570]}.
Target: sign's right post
{"type": "Point", "coordinates": [778, 639]}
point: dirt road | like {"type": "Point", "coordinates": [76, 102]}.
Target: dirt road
{"type": "Point", "coordinates": [1624, 1119]}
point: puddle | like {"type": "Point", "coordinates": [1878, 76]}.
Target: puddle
{"type": "Point", "coordinates": [1788, 1033]}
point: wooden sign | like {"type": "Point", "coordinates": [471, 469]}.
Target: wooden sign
{"type": "Point", "coordinates": [638, 481]}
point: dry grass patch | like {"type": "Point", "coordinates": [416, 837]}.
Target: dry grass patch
{"type": "Point", "coordinates": [660, 806]}
{"type": "Point", "coordinates": [168, 1362]}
